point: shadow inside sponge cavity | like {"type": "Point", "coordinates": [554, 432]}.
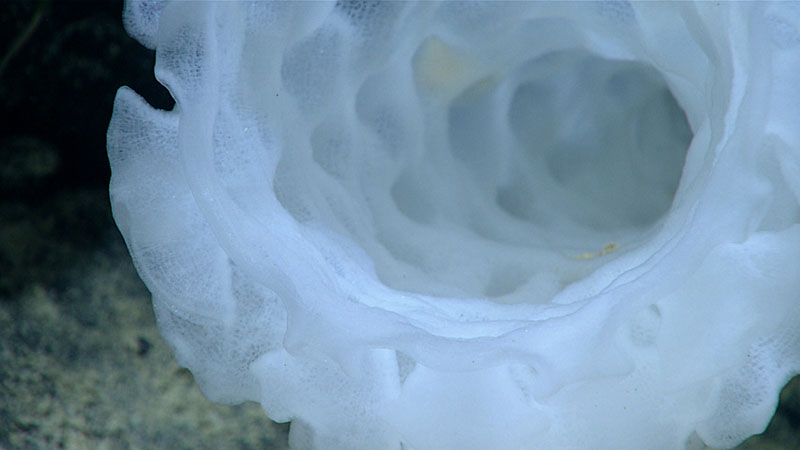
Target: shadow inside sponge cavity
{"type": "Point", "coordinates": [510, 188]}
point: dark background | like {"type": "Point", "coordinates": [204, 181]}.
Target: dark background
{"type": "Point", "coordinates": [61, 66]}
{"type": "Point", "coordinates": [81, 363]}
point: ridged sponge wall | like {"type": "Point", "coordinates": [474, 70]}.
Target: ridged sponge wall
{"type": "Point", "coordinates": [468, 225]}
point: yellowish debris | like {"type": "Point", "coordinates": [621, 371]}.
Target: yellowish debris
{"type": "Point", "coordinates": [608, 248]}
{"type": "Point", "coordinates": [440, 67]}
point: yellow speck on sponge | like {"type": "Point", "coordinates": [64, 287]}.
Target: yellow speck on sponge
{"type": "Point", "coordinates": [608, 248]}
{"type": "Point", "coordinates": [440, 67]}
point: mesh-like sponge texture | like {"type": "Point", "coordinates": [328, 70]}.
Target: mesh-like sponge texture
{"type": "Point", "coordinates": [473, 225]}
